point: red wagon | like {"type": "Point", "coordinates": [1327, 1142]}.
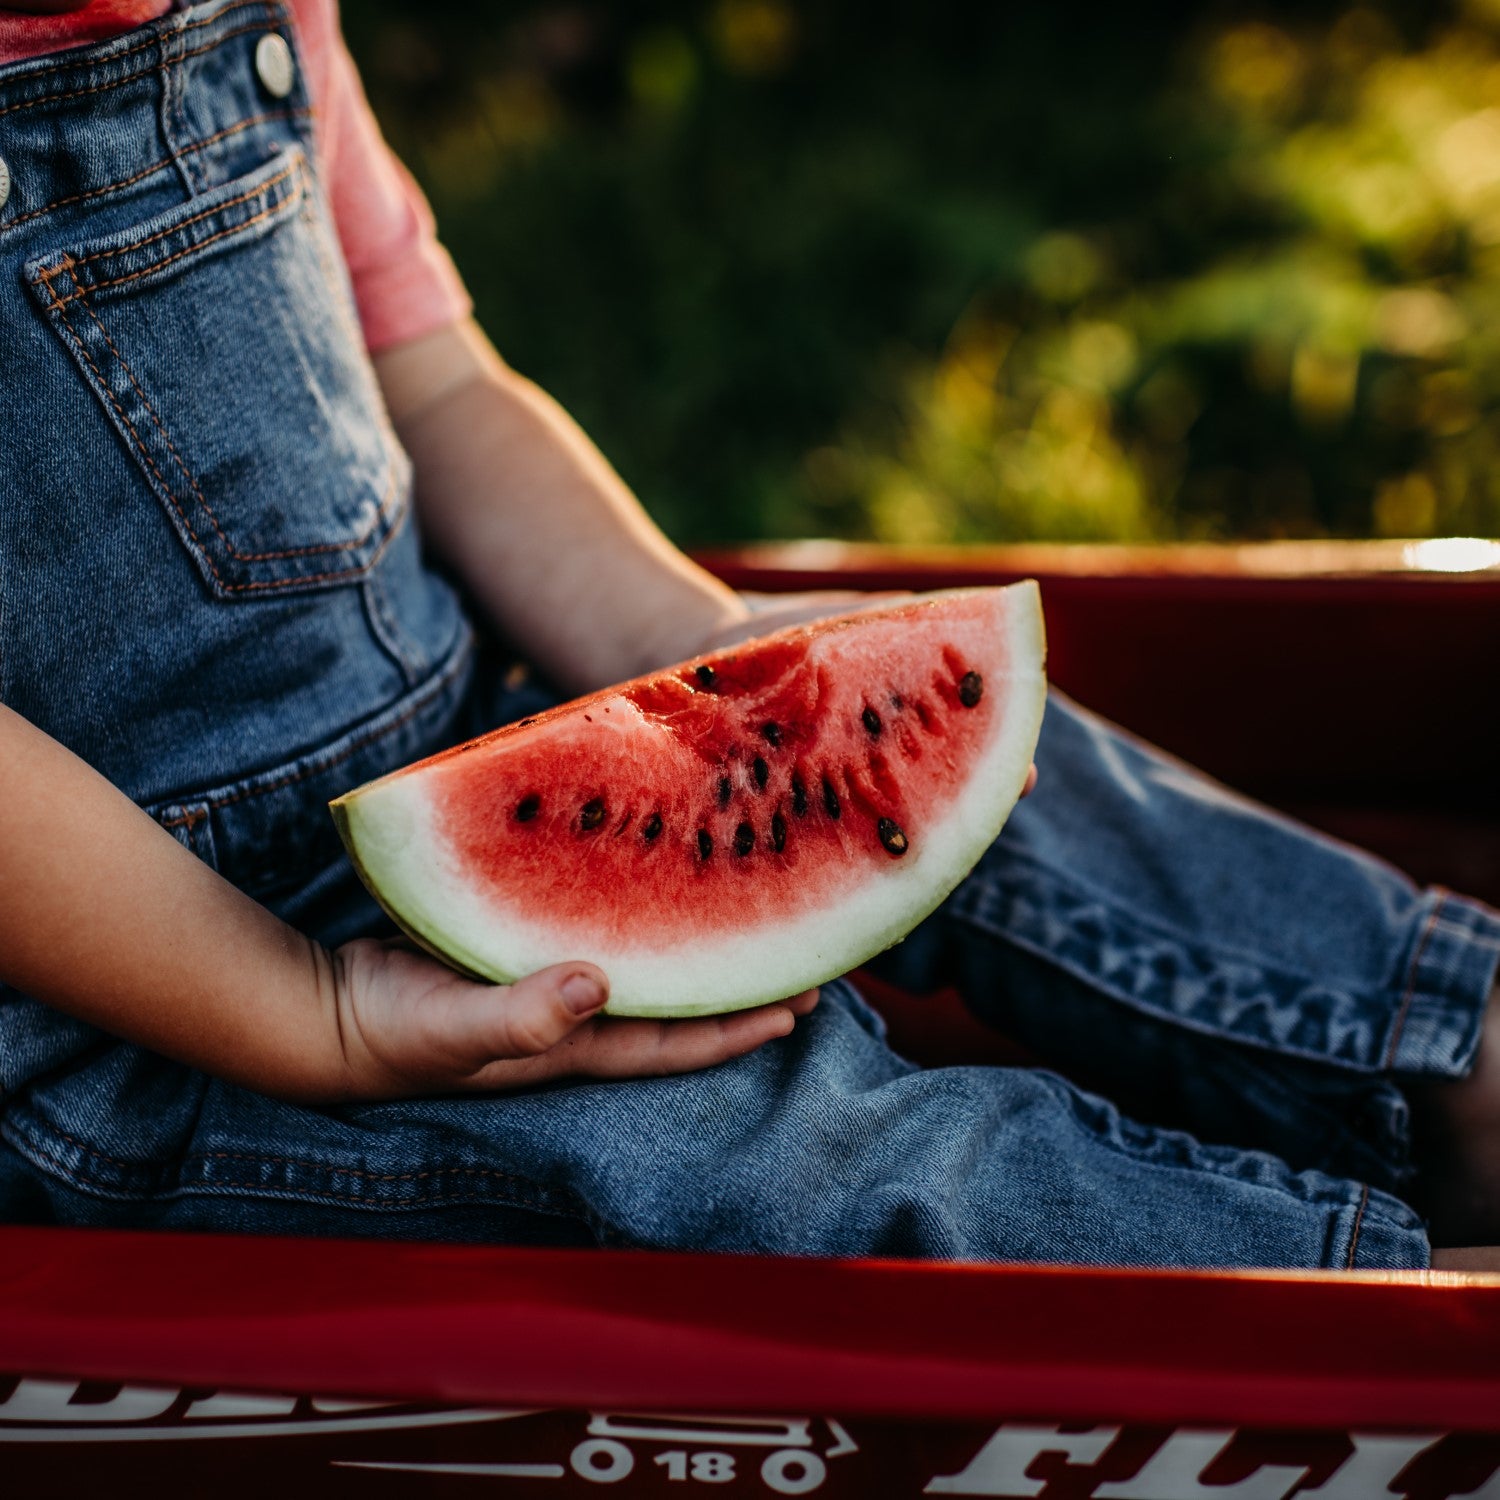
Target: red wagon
{"type": "Point", "coordinates": [1356, 685]}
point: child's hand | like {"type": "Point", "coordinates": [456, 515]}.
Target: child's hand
{"type": "Point", "coordinates": [771, 612]}
{"type": "Point", "coordinates": [408, 1025]}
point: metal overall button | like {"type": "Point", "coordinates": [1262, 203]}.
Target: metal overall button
{"type": "Point", "coordinates": [273, 62]}
{"type": "Point", "coordinates": [4, 182]}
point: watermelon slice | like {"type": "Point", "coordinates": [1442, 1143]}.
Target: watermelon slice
{"type": "Point", "coordinates": [729, 831]}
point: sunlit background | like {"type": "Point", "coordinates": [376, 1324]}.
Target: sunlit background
{"type": "Point", "coordinates": [982, 272]}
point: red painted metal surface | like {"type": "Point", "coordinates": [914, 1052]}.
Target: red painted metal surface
{"type": "Point", "coordinates": [694, 1333]}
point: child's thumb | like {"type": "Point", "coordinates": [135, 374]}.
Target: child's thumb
{"type": "Point", "coordinates": [537, 1012]}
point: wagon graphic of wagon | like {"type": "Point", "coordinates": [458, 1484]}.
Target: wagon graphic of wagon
{"type": "Point", "coordinates": [701, 1448]}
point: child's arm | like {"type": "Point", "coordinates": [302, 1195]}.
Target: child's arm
{"type": "Point", "coordinates": [544, 533]}
{"type": "Point", "coordinates": [106, 916]}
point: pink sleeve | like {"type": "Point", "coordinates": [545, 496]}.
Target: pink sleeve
{"type": "Point", "coordinates": [405, 284]}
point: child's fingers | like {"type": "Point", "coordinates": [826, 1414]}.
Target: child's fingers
{"type": "Point", "coordinates": [651, 1049]}
{"type": "Point", "coordinates": [485, 1023]}
{"type": "Point", "coordinates": [802, 1005]}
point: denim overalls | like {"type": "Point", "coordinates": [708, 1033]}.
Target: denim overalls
{"type": "Point", "coordinates": [211, 587]}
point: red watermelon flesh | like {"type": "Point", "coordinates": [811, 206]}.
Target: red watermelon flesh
{"type": "Point", "coordinates": [733, 829]}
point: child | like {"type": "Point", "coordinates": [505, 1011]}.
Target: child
{"type": "Point", "coordinates": [213, 595]}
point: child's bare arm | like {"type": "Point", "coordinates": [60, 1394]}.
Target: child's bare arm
{"type": "Point", "coordinates": [106, 916]}
{"type": "Point", "coordinates": [521, 504]}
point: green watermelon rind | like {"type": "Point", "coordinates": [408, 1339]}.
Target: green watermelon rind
{"type": "Point", "coordinates": [371, 846]}
{"type": "Point", "coordinates": [345, 817]}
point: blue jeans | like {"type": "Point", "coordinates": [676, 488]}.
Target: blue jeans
{"type": "Point", "coordinates": [213, 591]}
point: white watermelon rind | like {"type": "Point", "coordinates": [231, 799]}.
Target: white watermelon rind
{"type": "Point", "coordinates": [384, 827]}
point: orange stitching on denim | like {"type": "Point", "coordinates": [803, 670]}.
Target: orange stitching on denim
{"type": "Point", "coordinates": [109, 187]}
{"type": "Point", "coordinates": [1359, 1220]}
{"type": "Point", "coordinates": [187, 820]}
{"type": "Point", "coordinates": [1411, 980]}
{"type": "Point", "coordinates": [229, 546]}
{"type": "Point", "coordinates": [44, 278]}
{"type": "Point", "coordinates": [207, 213]}
{"type": "Point", "coordinates": [272, 583]}
{"type": "Point", "coordinates": [165, 162]}
{"type": "Point", "coordinates": [308, 551]}
{"type": "Point", "coordinates": [97, 286]}
{"type": "Point", "coordinates": [119, 412]}
{"type": "Point", "coordinates": [100, 88]}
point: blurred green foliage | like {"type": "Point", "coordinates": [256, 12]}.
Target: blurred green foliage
{"type": "Point", "coordinates": [983, 272]}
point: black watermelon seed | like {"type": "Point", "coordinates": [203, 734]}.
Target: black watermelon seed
{"type": "Point", "coordinates": [744, 839]}
{"type": "Point", "coordinates": [522, 723]}
{"type": "Point", "coordinates": [592, 815]}
{"type": "Point", "coordinates": [970, 689]}
{"type": "Point", "coordinates": [705, 675]}
{"type": "Point", "coordinates": [897, 702]}
{"type": "Point", "coordinates": [799, 796]}
{"type": "Point", "coordinates": [871, 721]}
{"type": "Point", "coordinates": [892, 837]}
{"type": "Point", "coordinates": [831, 800]}
{"type": "Point", "coordinates": [651, 827]}
{"type": "Point", "coordinates": [726, 790]}
{"type": "Point", "coordinates": [778, 832]}
{"type": "Point", "coordinates": [772, 733]}
{"type": "Point", "coordinates": [527, 808]}
{"type": "Point", "coordinates": [705, 844]}
{"type": "Point", "coordinates": [761, 771]}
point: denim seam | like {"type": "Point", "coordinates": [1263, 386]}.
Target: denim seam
{"type": "Point", "coordinates": [970, 905]}
{"type": "Point", "coordinates": [79, 292]}
{"type": "Point", "coordinates": [276, 583]}
{"type": "Point", "coordinates": [522, 1193]}
{"type": "Point", "coordinates": [1359, 1223]}
{"type": "Point", "coordinates": [1453, 968]}
{"type": "Point", "coordinates": [161, 234]}
{"type": "Point", "coordinates": [173, 119]}
{"type": "Point", "coordinates": [1410, 989]}
{"type": "Point", "coordinates": [439, 682]}
{"type": "Point", "coordinates": [387, 631]}
{"type": "Point", "coordinates": [115, 83]}
{"type": "Point", "coordinates": [128, 1166]}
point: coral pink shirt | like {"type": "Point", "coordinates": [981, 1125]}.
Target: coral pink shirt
{"type": "Point", "coordinates": [404, 282]}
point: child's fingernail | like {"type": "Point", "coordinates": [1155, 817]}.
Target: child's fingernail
{"type": "Point", "coordinates": [582, 994]}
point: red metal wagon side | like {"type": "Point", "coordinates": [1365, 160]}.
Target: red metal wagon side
{"type": "Point", "coordinates": [1354, 684]}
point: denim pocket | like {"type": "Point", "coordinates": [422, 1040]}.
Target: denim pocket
{"type": "Point", "coordinates": [220, 340]}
